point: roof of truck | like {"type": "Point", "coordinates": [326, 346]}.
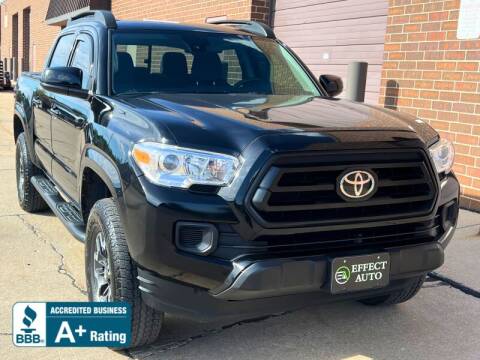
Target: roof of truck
{"type": "Point", "coordinates": [106, 18]}
{"type": "Point", "coordinates": [175, 26]}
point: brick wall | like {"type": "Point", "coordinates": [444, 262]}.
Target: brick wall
{"type": "Point", "coordinates": [41, 34]}
{"type": "Point", "coordinates": [194, 11]}
{"type": "Point", "coordinates": [261, 10]}
{"type": "Point", "coordinates": [431, 74]}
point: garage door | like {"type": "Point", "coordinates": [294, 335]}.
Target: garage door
{"type": "Point", "coordinates": [329, 34]}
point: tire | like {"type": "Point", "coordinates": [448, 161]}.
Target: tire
{"type": "Point", "coordinates": [122, 284]}
{"type": "Point", "coordinates": [28, 197]}
{"type": "Point", "coordinates": [399, 296]}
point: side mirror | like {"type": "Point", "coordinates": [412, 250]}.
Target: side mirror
{"type": "Point", "coordinates": [65, 80]}
{"type": "Point", "coordinates": [332, 84]}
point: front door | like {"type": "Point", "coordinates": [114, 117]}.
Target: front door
{"type": "Point", "coordinates": [69, 117]}
{"type": "Point", "coordinates": [42, 102]}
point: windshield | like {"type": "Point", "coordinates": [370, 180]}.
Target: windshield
{"type": "Point", "coordinates": [203, 62]}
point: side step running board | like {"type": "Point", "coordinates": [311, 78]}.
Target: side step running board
{"type": "Point", "coordinates": [66, 212]}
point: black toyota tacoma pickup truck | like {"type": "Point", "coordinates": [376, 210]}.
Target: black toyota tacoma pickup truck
{"type": "Point", "coordinates": [210, 174]}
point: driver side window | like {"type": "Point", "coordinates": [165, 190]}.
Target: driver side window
{"type": "Point", "coordinates": [83, 59]}
{"type": "Point", "coordinates": [62, 51]}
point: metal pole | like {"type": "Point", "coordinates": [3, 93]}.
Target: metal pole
{"type": "Point", "coordinates": [356, 81]}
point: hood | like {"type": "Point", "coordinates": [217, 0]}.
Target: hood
{"type": "Point", "coordinates": [232, 121]}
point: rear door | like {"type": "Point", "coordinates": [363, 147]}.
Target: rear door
{"type": "Point", "coordinates": [43, 100]}
{"type": "Point", "coordinates": [69, 119]}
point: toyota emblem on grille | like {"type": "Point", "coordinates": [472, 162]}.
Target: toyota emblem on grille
{"type": "Point", "coordinates": [357, 184]}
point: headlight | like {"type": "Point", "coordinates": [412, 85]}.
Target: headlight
{"type": "Point", "coordinates": [443, 154]}
{"type": "Point", "coordinates": [175, 166]}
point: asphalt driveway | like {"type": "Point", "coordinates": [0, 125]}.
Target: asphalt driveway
{"type": "Point", "coordinates": [40, 261]}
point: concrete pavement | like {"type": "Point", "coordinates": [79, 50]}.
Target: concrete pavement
{"type": "Point", "coordinates": [40, 261]}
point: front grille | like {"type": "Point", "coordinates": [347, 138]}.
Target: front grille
{"type": "Point", "coordinates": [375, 237]}
{"type": "Point", "coordinates": [302, 189]}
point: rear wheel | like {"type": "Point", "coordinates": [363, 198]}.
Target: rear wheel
{"type": "Point", "coordinates": [399, 296]}
{"type": "Point", "coordinates": [111, 273]}
{"type": "Point", "coordinates": [28, 197]}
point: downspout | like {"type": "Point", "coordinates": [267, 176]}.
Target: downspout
{"type": "Point", "coordinates": [271, 13]}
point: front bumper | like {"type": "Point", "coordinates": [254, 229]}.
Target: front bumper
{"type": "Point", "coordinates": [277, 277]}
{"type": "Point", "coordinates": [274, 286]}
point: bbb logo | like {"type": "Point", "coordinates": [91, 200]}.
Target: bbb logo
{"type": "Point", "coordinates": [29, 336]}
{"type": "Point", "coordinates": [29, 324]}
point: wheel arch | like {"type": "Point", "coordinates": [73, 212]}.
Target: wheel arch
{"type": "Point", "coordinates": [21, 125]}
{"type": "Point", "coordinates": [100, 178]}
{"type": "Point", "coordinates": [18, 127]}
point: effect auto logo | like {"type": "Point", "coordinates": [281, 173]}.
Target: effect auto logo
{"type": "Point", "coordinates": [357, 185]}
{"type": "Point", "coordinates": [342, 275]}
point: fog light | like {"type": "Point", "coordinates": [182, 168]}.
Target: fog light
{"type": "Point", "coordinates": [196, 238]}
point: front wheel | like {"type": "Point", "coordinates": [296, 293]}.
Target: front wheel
{"type": "Point", "coordinates": [112, 275]}
{"type": "Point", "coordinates": [399, 296]}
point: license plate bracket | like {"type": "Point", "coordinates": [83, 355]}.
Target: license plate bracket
{"type": "Point", "coordinates": [361, 272]}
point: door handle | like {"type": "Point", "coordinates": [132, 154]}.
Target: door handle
{"type": "Point", "coordinates": [67, 117]}
{"type": "Point", "coordinates": [36, 101]}
{"type": "Point", "coordinates": [54, 110]}
{"type": "Point", "coordinates": [78, 122]}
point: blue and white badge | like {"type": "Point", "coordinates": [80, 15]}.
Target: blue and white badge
{"type": "Point", "coordinates": [72, 324]}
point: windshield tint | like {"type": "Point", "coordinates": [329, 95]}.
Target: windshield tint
{"type": "Point", "coordinates": [202, 62]}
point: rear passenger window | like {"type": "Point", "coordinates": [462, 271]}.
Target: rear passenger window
{"type": "Point", "coordinates": [62, 51]}
{"type": "Point", "coordinates": [158, 53]}
{"type": "Point", "coordinates": [139, 54]}
{"type": "Point", "coordinates": [151, 58]}
{"type": "Point", "coordinates": [82, 59]}
{"type": "Point", "coordinates": [232, 71]}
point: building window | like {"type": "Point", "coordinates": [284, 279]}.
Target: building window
{"type": "Point", "coordinates": [26, 40]}
{"type": "Point", "coordinates": [15, 45]}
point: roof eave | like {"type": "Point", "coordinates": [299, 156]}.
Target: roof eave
{"type": "Point", "coordinates": [63, 19]}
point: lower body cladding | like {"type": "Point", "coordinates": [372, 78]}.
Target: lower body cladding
{"type": "Point", "coordinates": [212, 287]}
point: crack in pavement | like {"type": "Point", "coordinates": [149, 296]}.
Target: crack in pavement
{"type": "Point", "coordinates": [455, 284]}
{"type": "Point", "coordinates": [5, 334]}
{"type": "Point", "coordinates": [158, 349]}
{"type": "Point", "coordinates": [61, 268]}
{"type": "Point", "coordinates": [467, 226]}
{"type": "Point", "coordinates": [433, 284]}
{"type": "Point", "coordinates": [11, 215]}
